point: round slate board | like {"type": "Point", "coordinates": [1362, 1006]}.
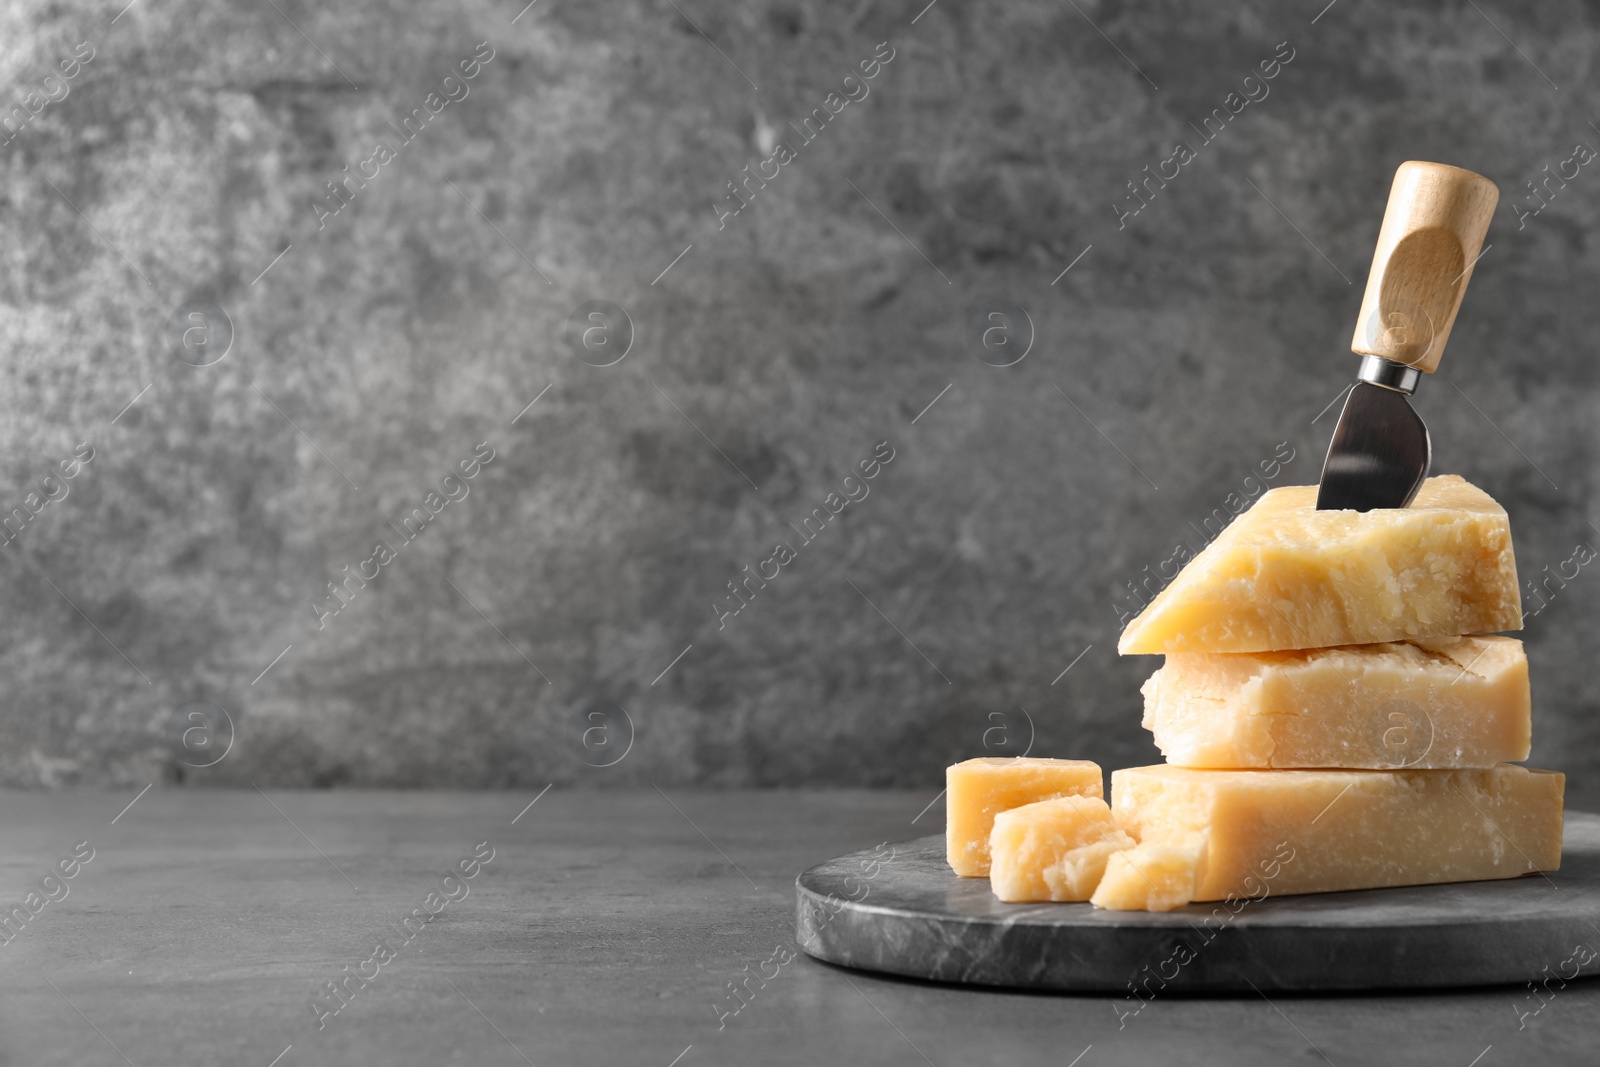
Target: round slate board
{"type": "Point", "coordinates": [908, 914]}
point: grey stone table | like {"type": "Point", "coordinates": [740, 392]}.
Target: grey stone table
{"type": "Point", "coordinates": [604, 930]}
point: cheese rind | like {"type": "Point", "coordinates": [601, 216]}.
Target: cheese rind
{"type": "Point", "coordinates": [1455, 702]}
{"type": "Point", "coordinates": [1153, 876]}
{"type": "Point", "coordinates": [1284, 575]}
{"type": "Point", "coordinates": [1283, 832]}
{"type": "Point", "coordinates": [1052, 849]}
{"type": "Point", "coordinates": [978, 789]}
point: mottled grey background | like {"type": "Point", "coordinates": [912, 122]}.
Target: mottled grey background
{"type": "Point", "coordinates": [821, 320]}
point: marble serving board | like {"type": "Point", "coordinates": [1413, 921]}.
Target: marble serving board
{"type": "Point", "coordinates": [899, 909]}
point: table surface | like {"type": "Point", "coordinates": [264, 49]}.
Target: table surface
{"type": "Point", "coordinates": [604, 931]}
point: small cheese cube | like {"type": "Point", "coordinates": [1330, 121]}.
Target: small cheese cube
{"type": "Point", "coordinates": [1285, 575]}
{"type": "Point", "coordinates": [1154, 876]}
{"type": "Point", "coordinates": [1052, 849]}
{"type": "Point", "coordinates": [1455, 702]}
{"type": "Point", "coordinates": [1280, 832]}
{"type": "Point", "coordinates": [978, 789]}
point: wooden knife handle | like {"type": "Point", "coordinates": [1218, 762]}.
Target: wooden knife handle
{"type": "Point", "coordinates": [1432, 231]}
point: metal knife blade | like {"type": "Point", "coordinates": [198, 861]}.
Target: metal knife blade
{"type": "Point", "coordinates": [1379, 455]}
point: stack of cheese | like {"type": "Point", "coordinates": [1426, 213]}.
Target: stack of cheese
{"type": "Point", "coordinates": [1329, 724]}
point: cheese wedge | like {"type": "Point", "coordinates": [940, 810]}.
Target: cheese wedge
{"type": "Point", "coordinates": [1052, 849]}
{"type": "Point", "coordinates": [1281, 832]}
{"type": "Point", "coordinates": [1154, 876]}
{"type": "Point", "coordinates": [978, 789]}
{"type": "Point", "coordinates": [1284, 575]}
{"type": "Point", "coordinates": [1454, 702]}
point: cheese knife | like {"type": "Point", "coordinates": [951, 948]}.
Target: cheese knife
{"type": "Point", "coordinates": [1428, 244]}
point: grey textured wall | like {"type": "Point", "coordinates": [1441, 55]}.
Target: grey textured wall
{"type": "Point", "coordinates": [504, 643]}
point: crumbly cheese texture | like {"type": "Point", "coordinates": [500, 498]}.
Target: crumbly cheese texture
{"type": "Point", "coordinates": [1284, 575]}
{"type": "Point", "coordinates": [979, 789]}
{"type": "Point", "coordinates": [1153, 876]}
{"type": "Point", "coordinates": [1454, 702]}
{"type": "Point", "coordinates": [1271, 833]}
{"type": "Point", "coordinates": [1052, 849]}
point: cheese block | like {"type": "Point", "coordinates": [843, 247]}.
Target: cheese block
{"type": "Point", "coordinates": [1284, 575]}
{"type": "Point", "coordinates": [1052, 849]}
{"type": "Point", "coordinates": [1454, 702]}
{"type": "Point", "coordinates": [1281, 832]}
{"type": "Point", "coordinates": [978, 789]}
{"type": "Point", "coordinates": [1153, 876]}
